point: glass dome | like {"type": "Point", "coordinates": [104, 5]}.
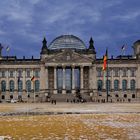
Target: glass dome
{"type": "Point", "coordinates": [67, 41]}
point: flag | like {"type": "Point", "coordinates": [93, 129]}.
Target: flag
{"type": "Point", "coordinates": [7, 48]}
{"type": "Point", "coordinates": [33, 78]}
{"type": "Point", "coordinates": [105, 61]}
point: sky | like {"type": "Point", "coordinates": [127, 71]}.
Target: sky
{"type": "Point", "coordinates": [111, 24]}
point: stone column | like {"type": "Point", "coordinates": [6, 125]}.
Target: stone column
{"type": "Point", "coordinates": [64, 84]}
{"type": "Point", "coordinates": [7, 95]}
{"type": "Point", "coordinates": [81, 77]}
{"type": "Point", "coordinates": [24, 79]}
{"type": "Point", "coordinates": [7, 79]}
{"type": "Point", "coordinates": [55, 81]}
{"type": "Point", "coordinates": [73, 80]}
{"type": "Point", "coordinates": [24, 94]}
{"type": "Point", "coordinates": [129, 78]}
{"type": "Point", "coordinates": [120, 77]}
{"type": "Point", "coordinates": [16, 85]}
{"type": "Point", "coordinates": [42, 77]}
{"type": "Point", "coordinates": [47, 78]}
{"type": "Point", "coordinates": [32, 83]}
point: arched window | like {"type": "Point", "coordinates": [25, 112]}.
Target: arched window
{"type": "Point", "coordinates": [108, 84]}
{"type": "Point", "coordinates": [124, 85]}
{"type": "Point", "coordinates": [132, 84]}
{"type": "Point", "coordinates": [116, 85]}
{"type": "Point", "coordinates": [99, 85]}
{"type": "Point", "coordinates": [37, 85]}
{"type": "Point", "coordinates": [11, 85]}
{"type": "Point", "coordinates": [3, 86]}
{"type": "Point", "coordinates": [20, 85]}
{"type": "Point", "coordinates": [28, 86]}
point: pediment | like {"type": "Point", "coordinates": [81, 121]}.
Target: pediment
{"type": "Point", "coordinates": [69, 56]}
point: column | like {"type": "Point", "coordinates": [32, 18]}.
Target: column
{"type": "Point", "coordinates": [32, 83]}
{"type": "Point", "coordinates": [7, 95]}
{"type": "Point", "coordinates": [24, 94]}
{"type": "Point", "coordinates": [7, 80]}
{"type": "Point", "coordinates": [128, 79]}
{"type": "Point", "coordinates": [24, 79]}
{"type": "Point", "coordinates": [64, 84]}
{"type": "Point", "coordinates": [73, 80]}
{"type": "Point", "coordinates": [47, 86]}
{"type": "Point", "coordinates": [55, 79]}
{"type": "Point", "coordinates": [81, 77]}
{"type": "Point", "coordinates": [16, 85]}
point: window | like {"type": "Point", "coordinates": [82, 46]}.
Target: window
{"type": "Point", "coordinates": [108, 84]}
{"type": "Point", "coordinates": [20, 85]}
{"type": "Point", "coordinates": [2, 97]}
{"type": "Point", "coordinates": [77, 78]}
{"type": "Point", "coordinates": [132, 84]}
{"type": "Point", "coordinates": [28, 86]}
{"type": "Point", "coordinates": [3, 74]}
{"type": "Point", "coordinates": [28, 72]}
{"type": "Point", "coordinates": [116, 72]}
{"type": "Point", "coordinates": [99, 73]}
{"type": "Point", "coordinates": [99, 85]}
{"type": "Point", "coordinates": [3, 86]}
{"type": "Point", "coordinates": [124, 73]}
{"type": "Point", "coordinates": [116, 85]}
{"type": "Point", "coordinates": [11, 74]}
{"type": "Point", "coordinates": [11, 85]}
{"type": "Point", "coordinates": [124, 85]}
{"type": "Point", "coordinates": [109, 72]}
{"type": "Point", "coordinates": [19, 73]}
{"type": "Point", "coordinates": [37, 85]}
{"type": "Point", "coordinates": [133, 95]}
{"type": "Point", "coordinates": [59, 79]}
{"type": "Point", "coordinates": [36, 73]}
{"type": "Point", "coordinates": [125, 95]}
{"type": "Point", "coordinates": [132, 73]}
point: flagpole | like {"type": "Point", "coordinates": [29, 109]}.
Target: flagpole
{"type": "Point", "coordinates": [34, 90]}
{"type": "Point", "coordinates": [107, 77]}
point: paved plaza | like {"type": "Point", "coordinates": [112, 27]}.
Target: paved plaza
{"type": "Point", "coordinates": [70, 107]}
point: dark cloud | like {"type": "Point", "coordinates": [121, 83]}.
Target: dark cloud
{"type": "Point", "coordinates": [24, 23]}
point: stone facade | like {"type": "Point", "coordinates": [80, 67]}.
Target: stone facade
{"type": "Point", "coordinates": [68, 71]}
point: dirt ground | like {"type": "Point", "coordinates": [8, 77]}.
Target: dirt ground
{"type": "Point", "coordinates": [104, 122]}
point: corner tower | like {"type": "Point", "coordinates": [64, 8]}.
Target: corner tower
{"type": "Point", "coordinates": [136, 47]}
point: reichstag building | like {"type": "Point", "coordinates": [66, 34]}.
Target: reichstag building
{"type": "Point", "coordinates": [67, 70]}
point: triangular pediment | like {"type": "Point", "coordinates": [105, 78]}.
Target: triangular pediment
{"type": "Point", "coordinates": [68, 56]}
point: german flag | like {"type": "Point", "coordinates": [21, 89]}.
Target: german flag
{"type": "Point", "coordinates": [105, 61]}
{"type": "Point", "coordinates": [32, 79]}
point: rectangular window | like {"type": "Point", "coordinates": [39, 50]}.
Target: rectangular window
{"type": "Point", "coordinates": [11, 74]}
{"type": "Point", "coordinates": [19, 73]}
{"type": "Point", "coordinates": [124, 73]}
{"type": "Point", "coordinates": [37, 73]}
{"type": "Point", "coordinates": [99, 73]}
{"type": "Point", "coordinates": [28, 73]}
{"type": "Point", "coordinates": [132, 73]}
{"type": "Point", "coordinates": [3, 74]}
{"type": "Point", "coordinates": [109, 73]}
{"type": "Point", "coordinates": [116, 73]}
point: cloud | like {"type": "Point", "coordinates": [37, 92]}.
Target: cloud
{"type": "Point", "coordinates": [23, 23]}
{"type": "Point", "coordinates": [128, 16]}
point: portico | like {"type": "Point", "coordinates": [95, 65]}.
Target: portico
{"type": "Point", "coordinates": [66, 79]}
